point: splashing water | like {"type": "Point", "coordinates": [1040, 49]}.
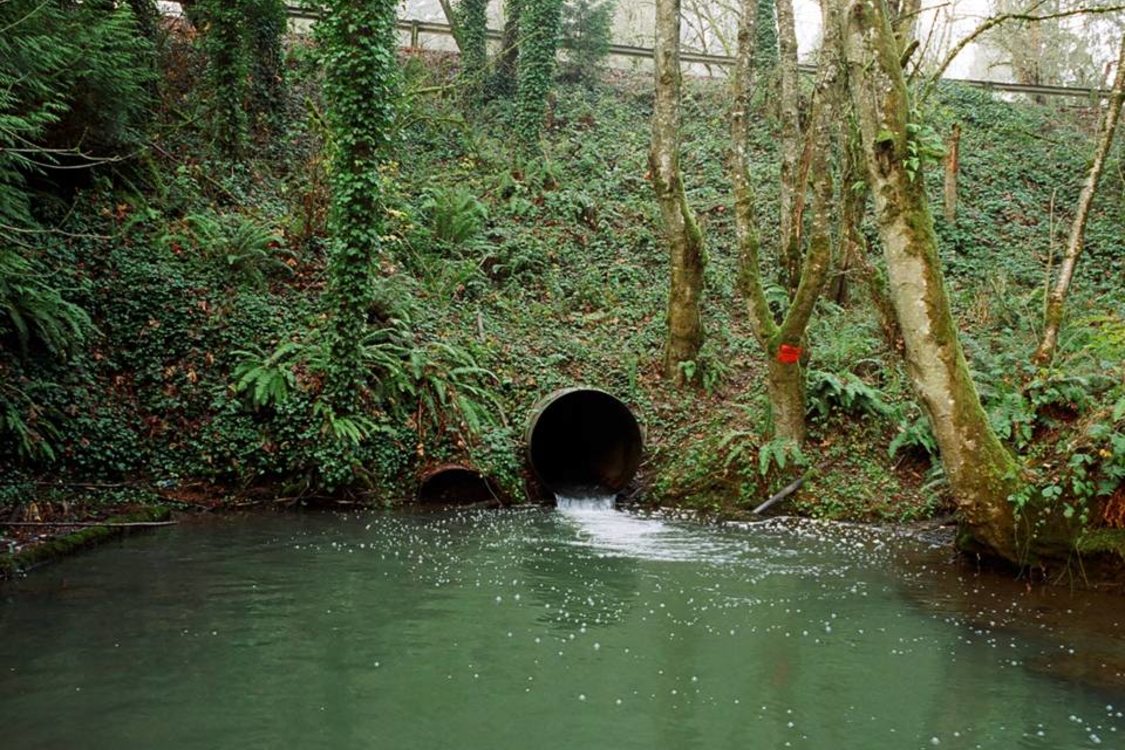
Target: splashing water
{"type": "Point", "coordinates": [596, 500]}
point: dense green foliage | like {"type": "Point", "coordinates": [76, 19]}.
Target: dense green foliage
{"type": "Point", "coordinates": [586, 33]}
{"type": "Point", "coordinates": [202, 319]}
{"type": "Point", "coordinates": [243, 43]}
{"type": "Point", "coordinates": [539, 39]}
{"type": "Point", "coordinates": [73, 91]}
{"type": "Point", "coordinates": [225, 42]}
{"type": "Point", "coordinates": [472, 17]}
{"type": "Point", "coordinates": [360, 91]}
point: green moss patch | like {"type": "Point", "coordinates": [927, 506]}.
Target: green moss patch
{"type": "Point", "coordinates": [54, 548]}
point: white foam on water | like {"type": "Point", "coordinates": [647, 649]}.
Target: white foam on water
{"type": "Point", "coordinates": [583, 501]}
{"type": "Point", "coordinates": [609, 532]}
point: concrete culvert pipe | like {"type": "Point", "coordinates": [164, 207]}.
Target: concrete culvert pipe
{"type": "Point", "coordinates": [584, 439]}
{"type": "Point", "coordinates": [454, 484]}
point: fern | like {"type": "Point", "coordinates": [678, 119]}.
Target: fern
{"type": "Point", "coordinates": [847, 392]}
{"type": "Point", "coordinates": [914, 434]}
{"type": "Point", "coordinates": [268, 379]}
{"type": "Point", "coordinates": [780, 452]}
{"type": "Point", "coordinates": [346, 429]}
{"type": "Point", "coordinates": [33, 310]}
{"type": "Point", "coordinates": [252, 251]}
{"type": "Point", "coordinates": [455, 214]}
{"type": "Point", "coordinates": [25, 426]}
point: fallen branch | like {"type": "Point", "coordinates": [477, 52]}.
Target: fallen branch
{"type": "Point", "coordinates": [785, 492]}
{"type": "Point", "coordinates": [89, 524]}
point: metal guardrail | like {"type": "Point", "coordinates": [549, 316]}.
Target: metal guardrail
{"type": "Point", "coordinates": [417, 28]}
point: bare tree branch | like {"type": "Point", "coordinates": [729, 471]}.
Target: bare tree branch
{"type": "Point", "coordinates": [995, 21]}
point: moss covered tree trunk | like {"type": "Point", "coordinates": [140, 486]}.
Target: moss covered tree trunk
{"type": "Point", "coordinates": [1054, 313]}
{"type": "Point", "coordinates": [685, 241]}
{"type": "Point", "coordinates": [789, 103]}
{"type": "Point", "coordinates": [980, 471]}
{"type": "Point", "coordinates": [782, 341]}
{"type": "Point", "coordinates": [904, 20]}
{"type": "Point", "coordinates": [360, 75]}
{"type": "Point", "coordinates": [851, 246]}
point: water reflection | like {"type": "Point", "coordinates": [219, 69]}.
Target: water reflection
{"type": "Point", "coordinates": [496, 629]}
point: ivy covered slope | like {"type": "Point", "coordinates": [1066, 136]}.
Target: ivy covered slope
{"type": "Point", "coordinates": [506, 274]}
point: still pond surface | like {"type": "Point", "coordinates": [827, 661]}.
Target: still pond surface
{"type": "Point", "coordinates": [542, 629]}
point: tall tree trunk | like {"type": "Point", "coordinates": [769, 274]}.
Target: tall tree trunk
{"type": "Point", "coordinates": [504, 78]}
{"type": "Point", "coordinates": [1074, 244]}
{"type": "Point", "coordinates": [789, 108]}
{"type": "Point", "coordinates": [854, 262]}
{"type": "Point", "coordinates": [782, 342]}
{"type": "Point", "coordinates": [360, 90]}
{"type": "Point", "coordinates": [904, 19]}
{"type": "Point", "coordinates": [535, 74]}
{"type": "Point", "coordinates": [952, 167]}
{"type": "Point", "coordinates": [685, 241]}
{"type": "Point", "coordinates": [980, 471]}
{"type": "Point", "coordinates": [852, 247]}
{"type": "Point", "coordinates": [474, 58]}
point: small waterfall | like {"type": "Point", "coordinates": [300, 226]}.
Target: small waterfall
{"type": "Point", "coordinates": [596, 500]}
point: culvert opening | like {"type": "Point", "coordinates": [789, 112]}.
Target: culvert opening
{"type": "Point", "coordinates": [454, 485]}
{"type": "Point", "coordinates": [584, 441]}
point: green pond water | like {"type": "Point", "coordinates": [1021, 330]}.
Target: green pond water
{"type": "Point", "coordinates": [541, 629]}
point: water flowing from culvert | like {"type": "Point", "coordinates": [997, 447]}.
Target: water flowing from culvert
{"type": "Point", "coordinates": [481, 629]}
{"type": "Point", "coordinates": [585, 500]}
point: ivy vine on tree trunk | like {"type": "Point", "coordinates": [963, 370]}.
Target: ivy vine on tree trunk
{"type": "Point", "coordinates": [227, 71]}
{"type": "Point", "coordinates": [538, 43]}
{"type": "Point", "coordinates": [473, 17]}
{"type": "Point", "coordinates": [507, 60]}
{"type": "Point", "coordinates": [267, 22]}
{"type": "Point", "coordinates": [360, 89]}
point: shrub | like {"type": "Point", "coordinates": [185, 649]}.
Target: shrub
{"type": "Point", "coordinates": [586, 35]}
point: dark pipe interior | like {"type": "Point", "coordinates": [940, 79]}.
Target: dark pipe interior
{"type": "Point", "coordinates": [585, 439]}
{"type": "Point", "coordinates": [454, 484]}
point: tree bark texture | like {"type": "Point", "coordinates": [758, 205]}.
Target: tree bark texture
{"type": "Point", "coordinates": [980, 471]}
{"type": "Point", "coordinates": [952, 167]}
{"type": "Point", "coordinates": [789, 103]}
{"type": "Point", "coordinates": [786, 379]}
{"type": "Point", "coordinates": [1074, 244]}
{"type": "Point", "coordinates": [904, 15]}
{"type": "Point", "coordinates": [852, 246]}
{"type": "Point", "coordinates": [685, 241]}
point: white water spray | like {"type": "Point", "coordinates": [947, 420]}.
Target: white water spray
{"type": "Point", "coordinates": [583, 500]}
